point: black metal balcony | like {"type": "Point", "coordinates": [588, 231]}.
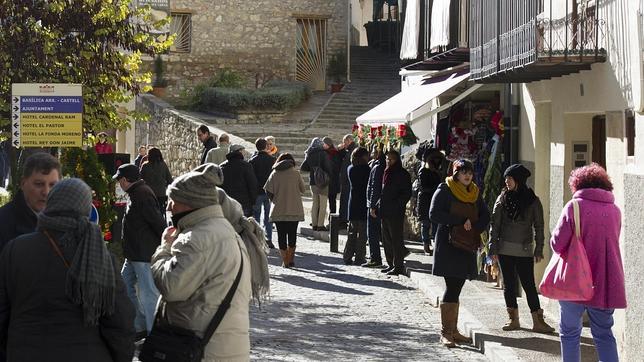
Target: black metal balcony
{"type": "Point", "coordinates": [516, 41]}
{"type": "Point", "coordinates": [456, 51]}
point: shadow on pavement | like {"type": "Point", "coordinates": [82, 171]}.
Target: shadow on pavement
{"type": "Point", "coordinates": [418, 266]}
{"type": "Point", "coordinates": [276, 331]}
{"type": "Point", "coordinates": [307, 283]}
{"type": "Point", "coordinates": [538, 344]}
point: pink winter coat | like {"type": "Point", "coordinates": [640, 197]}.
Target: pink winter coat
{"type": "Point", "coordinates": [600, 222]}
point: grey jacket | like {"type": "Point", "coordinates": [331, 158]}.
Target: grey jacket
{"type": "Point", "coordinates": [195, 273]}
{"type": "Point", "coordinates": [523, 237]}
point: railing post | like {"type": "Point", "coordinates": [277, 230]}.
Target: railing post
{"type": "Point", "coordinates": [550, 26]}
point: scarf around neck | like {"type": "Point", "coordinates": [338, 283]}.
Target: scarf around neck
{"type": "Point", "coordinates": [467, 194]}
{"type": "Point", "coordinates": [386, 177]}
{"type": "Point", "coordinates": [91, 279]}
{"type": "Point", "coordinates": [515, 202]}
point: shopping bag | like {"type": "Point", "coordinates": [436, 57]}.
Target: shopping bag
{"type": "Point", "coordinates": [568, 275]}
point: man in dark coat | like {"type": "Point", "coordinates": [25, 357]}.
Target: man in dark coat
{"type": "Point", "coordinates": [39, 320]}
{"type": "Point", "coordinates": [358, 174]}
{"type": "Point", "coordinates": [348, 145]}
{"type": "Point", "coordinates": [263, 166]}
{"type": "Point", "coordinates": [374, 188]}
{"type": "Point", "coordinates": [143, 225]}
{"type": "Point", "coordinates": [396, 192]}
{"type": "Point", "coordinates": [203, 133]}
{"type": "Point", "coordinates": [41, 172]}
{"type": "Point", "coordinates": [240, 182]}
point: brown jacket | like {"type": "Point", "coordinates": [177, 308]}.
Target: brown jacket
{"type": "Point", "coordinates": [285, 188]}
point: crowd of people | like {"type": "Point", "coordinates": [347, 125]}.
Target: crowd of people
{"type": "Point", "coordinates": [195, 245]}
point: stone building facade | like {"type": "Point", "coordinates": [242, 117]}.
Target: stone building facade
{"type": "Point", "coordinates": [258, 38]}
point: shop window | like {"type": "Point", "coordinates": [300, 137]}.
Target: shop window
{"type": "Point", "coordinates": [181, 26]}
{"type": "Point", "coordinates": [630, 133]}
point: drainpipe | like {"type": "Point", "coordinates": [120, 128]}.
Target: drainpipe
{"type": "Point", "coordinates": [349, 21]}
{"type": "Point", "coordinates": [511, 123]}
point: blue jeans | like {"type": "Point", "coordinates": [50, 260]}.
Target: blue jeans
{"type": "Point", "coordinates": [425, 226]}
{"type": "Point", "coordinates": [373, 236]}
{"type": "Point", "coordinates": [601, 322]}
{"type": "Point", "coordinates": [264, 202]}
{"type": "Point", "coordinates": [144, 295]}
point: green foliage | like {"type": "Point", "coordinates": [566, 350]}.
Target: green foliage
{"type": "Point", "coordinates": [278, 96]}
{"type": "Point", "coordinates": [5, 196]}
{"type": "Point", "coordinates": [192, 98]}
{"type": "Point", "coordinates": [95, 43]}
{"type": "Point", "coordinates": [84, 164]}
{"type": "Point", "coordinates": [337, 67]}
{"type": "Point", "coordinates": [159, 69]}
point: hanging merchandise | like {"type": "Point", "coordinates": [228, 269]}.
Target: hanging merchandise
{"type": "Point", "coordinates": [387, 137]}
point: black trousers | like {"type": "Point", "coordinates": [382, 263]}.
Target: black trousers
{"type": "Point", "coordinates": [286, 233]}
{"type": "Point", "coordinates": [392, 241]}
{"type": "Point", "coordinates": [332, 203]}
{"type": "Point", "coordinates": [511, 266]}
{"type": "Point", "coordinates": [453, 287]}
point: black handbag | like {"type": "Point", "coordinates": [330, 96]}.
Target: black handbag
{"type": "Point", "coordinates": [175, 344]}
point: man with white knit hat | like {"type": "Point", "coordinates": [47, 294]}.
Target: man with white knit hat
{"type": "Point", "coordinates": [197, 262]}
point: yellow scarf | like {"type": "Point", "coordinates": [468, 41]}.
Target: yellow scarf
{"type": "Point", "coordinates": [464, 194]}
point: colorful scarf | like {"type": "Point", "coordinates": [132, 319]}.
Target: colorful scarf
{"type": "Point", "coordinates": [467, 194]}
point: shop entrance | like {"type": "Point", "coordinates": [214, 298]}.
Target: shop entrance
{"type": "Point", "coordinates": [599, 140]}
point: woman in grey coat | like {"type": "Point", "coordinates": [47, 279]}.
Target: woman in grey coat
{"type": "Point", "coordinates": [516, 242]}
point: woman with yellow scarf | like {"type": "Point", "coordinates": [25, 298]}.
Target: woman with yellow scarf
{"type": "Point", "coordinates": [461, 215]}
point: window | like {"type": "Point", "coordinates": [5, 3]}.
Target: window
{"type": "Point", "coordinates": [630, 133]}
{"type": "Point", "coordinates": [181, 25]}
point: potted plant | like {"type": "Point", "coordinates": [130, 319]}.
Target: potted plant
{"type": "Point", "coordinates": [159, 83]}
{"type": "Point", "coordinates": [337, 71]}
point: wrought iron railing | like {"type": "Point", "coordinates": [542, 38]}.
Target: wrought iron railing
{"type": "Point", "coordinates": [509, 34]}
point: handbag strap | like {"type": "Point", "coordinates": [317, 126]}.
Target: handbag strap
{"type": "Point", "coordinates": [54, 245]}
{"type": "Point", "coordinates": [575, 207]}
{"type": "Point", "coordinates": [225, 304]}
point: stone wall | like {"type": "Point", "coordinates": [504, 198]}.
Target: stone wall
{"type": "Point", "coordinates": [633, 254]}
{"type": "Point", "coordinates": [174, 134]}
{"type": "Point", "coordinates": [255, 37]}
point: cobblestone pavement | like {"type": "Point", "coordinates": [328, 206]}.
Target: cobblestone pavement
{"type": "Point", "coordinates": [324, 310]}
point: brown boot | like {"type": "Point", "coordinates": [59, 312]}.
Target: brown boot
{"type": "Point", "coordinates": [458, 337]}
{"type": "Point", "coordinates": [284, 255]}
{"type": "Point", "coordinates": [513, 322]}
{"type": "Point", "coordinates": [291, 257]}
{"type": "Point", "coordinates": [448, 321]}
{"type": "Point", "coordinates": [538, 324]}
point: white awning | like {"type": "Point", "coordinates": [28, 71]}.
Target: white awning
{"type": "Point", "coordinates": [400, 108]}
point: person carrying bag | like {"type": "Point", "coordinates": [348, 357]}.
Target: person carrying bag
{"type": "Point", "coordinates": [176, 344]}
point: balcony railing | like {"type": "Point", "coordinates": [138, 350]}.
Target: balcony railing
{"type": "Point", "coordinates": [511, 37]}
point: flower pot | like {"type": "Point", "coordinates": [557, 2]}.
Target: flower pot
{"type": "Point", "coordinates": [158, 92]}
{"type": "Point", "coordinates": [336, 87]}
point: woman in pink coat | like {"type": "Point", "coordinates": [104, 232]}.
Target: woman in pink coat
{"type": "Point", "coordinates": [600, 221]}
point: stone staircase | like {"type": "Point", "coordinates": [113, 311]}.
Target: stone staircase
{"type": "Point", "coordinates": [374, 78]}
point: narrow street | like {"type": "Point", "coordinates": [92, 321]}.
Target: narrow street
{"type": "Point", "coordinates": [325, 310]}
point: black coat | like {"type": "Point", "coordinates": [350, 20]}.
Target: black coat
{"type": "Point", "coordinates": [40, 323]}
{"type": "Point", "coordinates": [336, 162]}
{"type": "Point", "coordinates": [316, 158]}
{"type": "Point", "coordinates": [157, 176]}
{"type": "Point", "coordinates": [346, 162]}
{"type": "Point", "coordinates": [239, 180]}
{"type": "Point", "coordinates": [209, 144]}
{"type": "Point", "coordinates": [262, 166]}
{"type": "Point", "coordinates": [358, 179]}
{"type": "Point", "coordinates": [143, 223]}
{"type": "Point", "coordinates": [450, 261]}
{"type": "Point", "coordinates": [16, 218]}
{"type": "Point", "coordinates": [374, 186]}
{"type": "Point", "coordinates": [429, 181]}
{"type": "Point", "coordinates": [395, 194]}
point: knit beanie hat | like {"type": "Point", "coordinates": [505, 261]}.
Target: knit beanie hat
{"type": "Point", "coordinates": [462, 165]}
{"type": "Point", "coordinates": [328, 141]}
{"type": "Point", "coordinates": [518, 172]}
{"type": "Point", "coordinates": [197, 188]}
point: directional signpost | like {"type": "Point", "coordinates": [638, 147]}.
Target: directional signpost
{"type": "Point", "coordinates": [46, 115]}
